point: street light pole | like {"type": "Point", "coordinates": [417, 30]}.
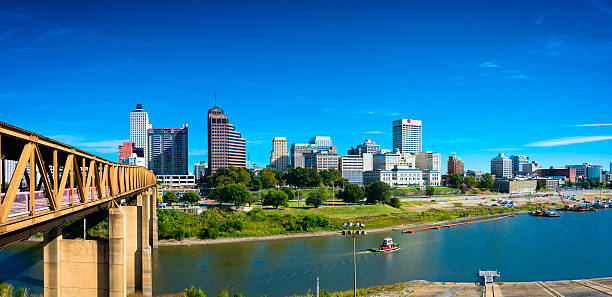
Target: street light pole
{"type": "Point", "coordinates": [353, 230]}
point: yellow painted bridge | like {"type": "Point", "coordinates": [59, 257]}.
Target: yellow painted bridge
{"type": "Point", "coordinates": [45, 183]}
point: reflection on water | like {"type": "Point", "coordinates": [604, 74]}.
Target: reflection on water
{"type": "Point", "coordinates": [516, 246]}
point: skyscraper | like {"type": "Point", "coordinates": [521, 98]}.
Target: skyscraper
{"type": "Point", "coordinates": [407, 136]}
{"type": "Point", "coordinates": [279, 157]}
{"type": "Point", "coordinates": [455, 165]}
{"type": "Point", "coordinates": [501, 166]}
{"type": "Point", "coordinates": [298, 150]}
{"type": "Point", "coordinates": [323, 143]}
{"type": "Point", "coordinates": [168, 151]}
{"type": "Point", "coordinates": [226, 147]}
{"type": "Point", "coordinates": [139, 125]}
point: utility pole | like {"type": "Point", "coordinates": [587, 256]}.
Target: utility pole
{"type": "Point", "coordinates": [317, 286]}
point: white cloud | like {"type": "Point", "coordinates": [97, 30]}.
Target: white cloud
{"type": "Point", "coordinates": [198, 152]}
{"type": "Point", "coordinates": [593, 125]}
{"type": "Point", "coordinates": [102, 146]}
{"type": "Point", "coordinates": [489, 65]}
{"type": "Point", "coordinates": [373, 132]}
{"type": "Point", "coordinates": [569, 140]}
{"type": "Point", "coordinates": [521, 76]}
{"type": "Point", "coordinates": [256, 142]}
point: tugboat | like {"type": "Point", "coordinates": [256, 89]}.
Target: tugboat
{"type": "Point", "coordinates": [387, 246]}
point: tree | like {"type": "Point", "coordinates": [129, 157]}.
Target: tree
{"type": "Point", "coordinates": [569, 183]}
{"type": "Point", "coordinates": [317, 197]}
{"type": "Point", "coordinates": [231, 175]}
{"type": "Point", "coordinates": [255, 183]}
{"type": "Point", "coordinates": [301, 177]}
{"type": "Point", "coordinates": [268, 178]}
{"type": "Point", "coordinates": [288, 192]}
{"type": "Point", "coordinates": [330, 176]}
{"type": "Point", "coordinates": [430, 191]}
{"type": "Point", "coordinates": [276, 199]}
{"type": "Point", "coordinates": [377, 191]}
{"type": "Point", "coordinates": [541, 185]}
{"type": "Point", "coordinates": [352, 193]}
{"type": "Point", "coordinates": [395, 202]}
{"type": "Point", "coordinates": [170, 197]}
{"type": "Point", "coordinates": [236, 194]}
{"type": "Point", "coordinates": [487, 181]}
{"type": "Point", "coordinates": [191, 197]}
{"type": "Point", "coordinates": [470, 181]}
{"type": "Point", "coordinates": [455, 180]}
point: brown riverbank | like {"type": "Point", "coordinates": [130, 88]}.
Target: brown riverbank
{"type": "Point", "coordinates": [226, 240]}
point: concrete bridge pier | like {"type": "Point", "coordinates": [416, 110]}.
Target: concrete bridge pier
{"type": "Point", "coordinates": [114, 268]}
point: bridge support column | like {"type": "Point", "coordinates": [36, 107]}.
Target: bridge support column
{"type": "Point", "coordinates": [52, 262]}
{"type": "Point", "coordinates": [117, 252]}
{"type": "Point", "coordinates": [153, 221]}
{"type": "Point", "coordinates": [145, 218]}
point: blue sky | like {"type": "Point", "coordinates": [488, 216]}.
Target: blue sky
{"type": "Point", "coordinates": [483, 76]}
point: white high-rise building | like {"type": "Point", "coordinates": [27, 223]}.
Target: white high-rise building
{"type": "Point", "coordinates": [139, 125]}
{"type": "Point", "coordinates": [501, 166]}
{"type": "Point", "coordinates": [407, 136]}
{"type": "Point", "coordinates": [351, 168]}
{"type": "Point", "coordinates": [431, 165]}
{"type": "Point", "coordinates": [279, 157]}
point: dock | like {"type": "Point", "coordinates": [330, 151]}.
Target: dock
{"type": "Point", "coordinates": [436, 227]}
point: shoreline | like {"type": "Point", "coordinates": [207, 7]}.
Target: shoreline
{"type": "Point", "coordinates": [229, 240]}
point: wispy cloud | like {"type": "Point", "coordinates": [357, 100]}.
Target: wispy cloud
{"type": "Point", "coordinates": [569, 140]}
{"type": "Point", "coordinates": [593, 125]}
{"type": "Point", "coordinates": [489, 65]}
{"type": "Point", "coordinates": [538, 21]}
{"type": "Point", "coordinates": [521, 76]}
{"type": "Point", "coordinates": [502, 149]}
{"type": "Point", "coordinates": [395, 114]}
{"type": "Point", "coordinates": [256, 142]}
{"type": "Point", "coordinates": [601, 7]}
{"type": "Point", "coordinates": [198, 152]}
{"type": "Point", "coordinates": [101, 146]}
{"type": "Point", "coordinates": [373, 132]}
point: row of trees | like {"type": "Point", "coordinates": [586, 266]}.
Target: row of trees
{"type": "Point", "coordinates": [469, 182]}
{"type": "Point", "coordinates": [297, 177]}
{"type": "Point", "coordinates": [187, 197]}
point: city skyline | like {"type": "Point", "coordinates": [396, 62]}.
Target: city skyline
{"type": "Point", "coordinates": [544, 75]}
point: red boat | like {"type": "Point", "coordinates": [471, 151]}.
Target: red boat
{"type": "Point", "coordinates": [387, 246]}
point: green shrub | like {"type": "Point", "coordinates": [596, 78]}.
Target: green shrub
{"type": "Point", "coordinates": [194, 292]}
{"type": "Point", "coordinates": [395, 202]}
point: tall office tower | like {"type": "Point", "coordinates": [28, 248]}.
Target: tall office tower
{"type": "Point", "coordinates": [297, 153]}
{"type": "Point", "coordinates": [501, 166]}
{"type": "Point", "coordinates": [226, 147]}
{"type": "Point", "coordinates": [199, 170]}
{"type": "Point", "coordinates": [407, 136]}
{"type": "Point", "coordinates": [139, 125]}
{"type": "Point", "coordinates": [168, 151]}
{"type": "Point", "coordinates": [323, 143]}
{"type": "Point", "coordinates": [517, 162]}
{"type": "Point", "coordinates": [351, 168]}
{"type": "Point", "coordinates": [279, 157]}
{"type": "Point", "coordinates": [455, 165]}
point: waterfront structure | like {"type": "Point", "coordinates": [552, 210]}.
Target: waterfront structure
{"type": "Point", "coordinates": [517, 162]}
{"type": "Point", "coordinates": [397, 177]}
{"type": "Point", "coordinates": [568, 173]}
{"type": "Point", "coordinates": [321, 160]}
{"type": "Point", "coordinates": [389, 161]}
{"type": "Point", "coordinates": [501, 166]}
{"type": "Point", "coordinates": [139, 127]}
{"type": "Point", "coordinates": [351, 168]}
{"type": "Point", "coordinates": [168, 151]}
{"type": "Point", "coordinates": [407, 136]}
{"type": "Point", "coordinates": [279, 156]}
{"type": "Point", "coordinates": [454, 165]}
{"type": "Point", "coordinates": [199, 170]}
{"type": "Point", "coordinates": [515, 186]}
{"type": "Point", "coordinates": [323, 143]}
{"type": "Point", "coordinates": [297, 153]}
{"type": "Point", "coordinates": [226, 147]}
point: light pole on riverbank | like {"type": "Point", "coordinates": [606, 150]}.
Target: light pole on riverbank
{"type": "Point", "coordinates": [354, 230]}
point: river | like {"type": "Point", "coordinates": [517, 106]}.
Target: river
{"type": "Point", "coordinates": [523, 248]}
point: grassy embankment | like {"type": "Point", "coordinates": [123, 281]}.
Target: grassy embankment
{"type": "Point", "coordinates": [215, 223]}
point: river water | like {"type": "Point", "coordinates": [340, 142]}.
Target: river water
{"type": "Point", "coordinates": [523, 248]}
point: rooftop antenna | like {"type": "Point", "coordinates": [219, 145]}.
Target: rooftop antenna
{"type": "Point", "coordinates": [215, 98]}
